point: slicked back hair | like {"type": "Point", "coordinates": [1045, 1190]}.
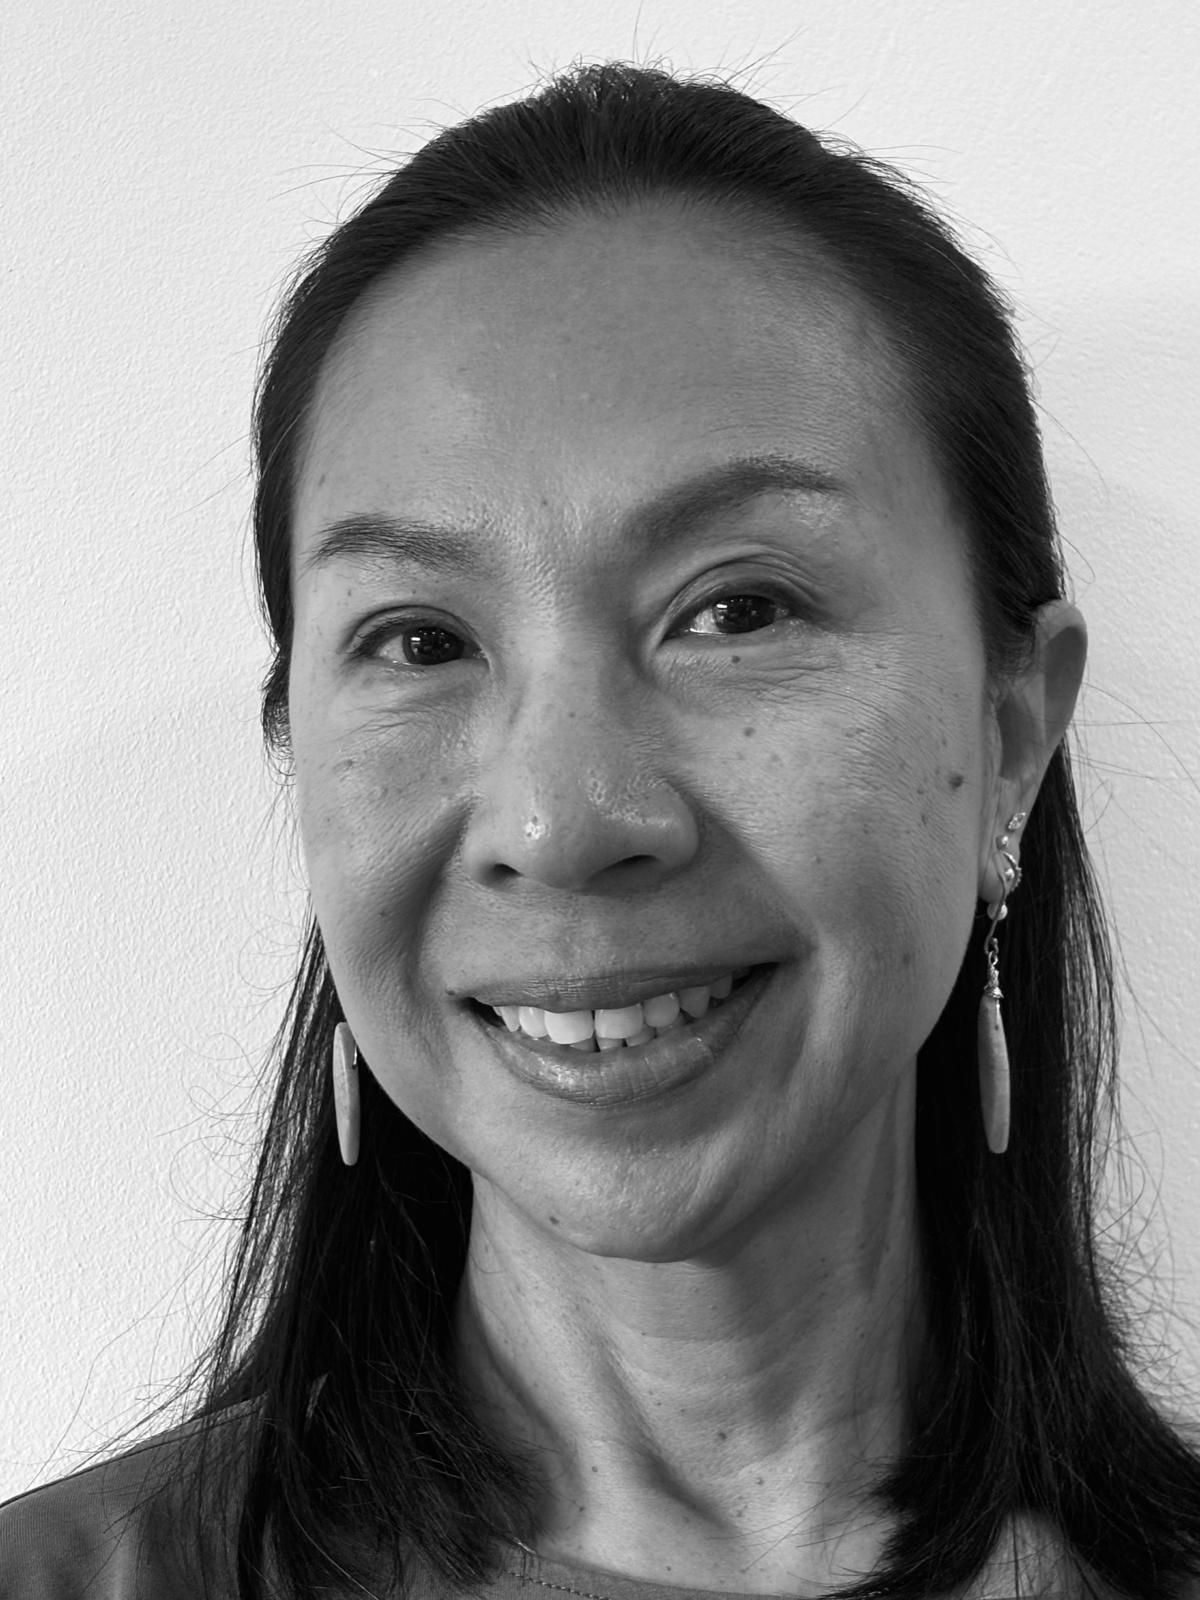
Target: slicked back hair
{"type": "Point", "coordinates": [339, 1316]}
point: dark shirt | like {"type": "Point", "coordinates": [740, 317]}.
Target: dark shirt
{"type": "Point", "coordinates": [106, 1534]}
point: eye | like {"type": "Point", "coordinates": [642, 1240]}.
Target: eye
{"type": "Point", "coordinates": [735, 612]}
{"type": "Point", "coordinates": [418, 642]}
{"type": "Point", "coordinates": [423, 641]}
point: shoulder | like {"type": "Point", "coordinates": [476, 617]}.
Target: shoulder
{"type": "Point", "coordinates": [110, 1531]}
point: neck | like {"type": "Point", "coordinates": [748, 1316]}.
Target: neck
{"type": "Point", "coordinates": [682, 1415]}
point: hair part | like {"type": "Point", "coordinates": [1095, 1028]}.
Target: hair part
{"type": "Point", "coordinates": [338, 1324]}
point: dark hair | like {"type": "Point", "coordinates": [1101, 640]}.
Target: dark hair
{"type": "Point", "coordinates": [338, 1323]}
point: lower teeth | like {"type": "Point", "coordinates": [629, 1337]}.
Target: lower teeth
{"type": "Point", "coordinates": [593, 1044]}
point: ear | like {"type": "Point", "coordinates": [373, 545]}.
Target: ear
{"type": "Point", "coordinates": [1032, 715]}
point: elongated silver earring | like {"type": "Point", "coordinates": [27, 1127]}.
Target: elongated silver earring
{"type": "Point", "coordinates": [345, 1091]}
{"type": "Point", "coordinates": [994, 1088]}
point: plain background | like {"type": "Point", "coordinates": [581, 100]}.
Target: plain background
{"type": "Point", "coordinates": [164, 165]}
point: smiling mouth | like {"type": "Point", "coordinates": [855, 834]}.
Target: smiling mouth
{"type": "Point", "coordinates": [653, 1066]}
{"type": "Point", "coordinates": [617, 1028]}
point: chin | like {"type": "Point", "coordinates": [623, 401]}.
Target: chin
{"type": "Point", "coordinates": [674, 1212]}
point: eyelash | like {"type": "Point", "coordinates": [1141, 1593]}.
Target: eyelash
{"type": "Point", "coordinates": [365, 648]}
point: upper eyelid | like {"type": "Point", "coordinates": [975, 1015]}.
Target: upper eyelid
{"type": "Point", "coordinates": [413, 613]}
{"type": "Point", "coordinates": [764, 589]}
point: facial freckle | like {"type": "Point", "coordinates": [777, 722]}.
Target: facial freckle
{"type": "Point", "coordinates": [735, 659]}
{"type": "Point", "coordinates": [957, 779]}
{"type": "Point", "coordinates": [749, 732]}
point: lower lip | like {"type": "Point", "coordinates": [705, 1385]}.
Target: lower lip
{"type": "Point", "coordinates": [635, 1072]}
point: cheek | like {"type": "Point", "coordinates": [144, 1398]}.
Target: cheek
{"type": "Point", "coordinates": [374, 828]}
{"type": "Point", "coordinates": [866, 812]}
{"type": "Point", "coordinates": [372, 783]}
{"type": "Point", "coordinates": [927, 767]}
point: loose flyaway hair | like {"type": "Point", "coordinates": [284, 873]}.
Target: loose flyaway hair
{"type": "Point", "coordinates": [357, 1452]}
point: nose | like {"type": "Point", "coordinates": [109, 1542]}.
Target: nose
{"type": "Point", "coordinates": [573, 796]}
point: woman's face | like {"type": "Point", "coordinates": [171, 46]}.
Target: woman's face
{"type": "Point", "coordinates": [635, 645]}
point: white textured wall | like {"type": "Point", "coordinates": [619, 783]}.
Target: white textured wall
{"type": "Point", "coordinates": [163, 164]}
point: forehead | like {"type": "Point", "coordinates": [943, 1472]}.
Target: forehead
{"type": "Point", "coordinates": [595, 360]}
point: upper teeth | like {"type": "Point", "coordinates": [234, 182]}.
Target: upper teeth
{"type": "Point", "coordinates": [635, 1024]}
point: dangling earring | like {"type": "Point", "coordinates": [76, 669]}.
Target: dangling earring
{"type": "Point", "coordinates": [994, 1090]}
{"type": "Point", "coordinates": [345, 1091]}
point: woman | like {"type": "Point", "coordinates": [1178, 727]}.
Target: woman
{"type": "Point", "coordinates": [673, 664]}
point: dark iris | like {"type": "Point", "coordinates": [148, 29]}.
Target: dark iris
{"type": "Point", "coordinates": [744, 612]}
{"type": "Point", "coordinates": [443, 646]}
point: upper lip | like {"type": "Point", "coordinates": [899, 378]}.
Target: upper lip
{"type": "Point", "coordinates": [597, 992]}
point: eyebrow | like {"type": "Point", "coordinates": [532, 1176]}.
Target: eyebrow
{"type": "Point", "coordinates": [449, 549]}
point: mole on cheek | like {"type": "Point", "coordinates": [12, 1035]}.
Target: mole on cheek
{"type": "Point", "coordinates": [956, 780]}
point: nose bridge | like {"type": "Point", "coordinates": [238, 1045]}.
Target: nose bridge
{"type": "Point", "coordinates": [574, 785]}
